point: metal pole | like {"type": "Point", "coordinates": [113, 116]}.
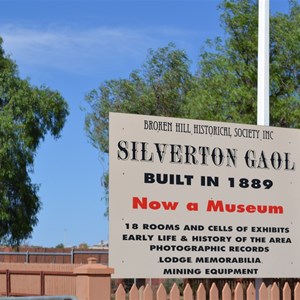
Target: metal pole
{"type": "Point", "coordinates": [263, 69]}
{"type": "Point", "coordinates": [263, 63]}
{"type": "Point", "coordinates": [72, 256]}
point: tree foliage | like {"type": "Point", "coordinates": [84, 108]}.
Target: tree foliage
{"type": "Point", "coordinates": [158, 88]}
{"type": "Point", "coordinates": [224, 87]}
{"type": "Point", "coordinates": [226, 82]}
{"type": "Point", "coordinates": [27, 114]}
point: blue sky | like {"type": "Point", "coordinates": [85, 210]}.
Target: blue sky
{"type": "Point", "coordinates": [72, 46]}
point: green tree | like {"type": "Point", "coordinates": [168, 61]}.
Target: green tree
{"type": "Point", "coordinates": [60, 246]}
{"type": "Point", "coordinates": [158, 88]}
{"type": "Point", "coordinates": [27, 114]}
{"type": "Point", "coordinates": [224, 88]}
{"type": "Point", "coordinates": [226, 81]}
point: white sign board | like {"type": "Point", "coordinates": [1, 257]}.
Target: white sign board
{"type": "Point", "coordinates": [202, 199]}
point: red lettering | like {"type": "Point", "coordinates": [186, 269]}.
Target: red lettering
{"type": "Point", "coordinates": [155, 205]}
{"type": "Point", "coordinates": [220, 206]}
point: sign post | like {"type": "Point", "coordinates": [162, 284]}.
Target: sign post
{"type": "Point", "coordinates": [263, 75]}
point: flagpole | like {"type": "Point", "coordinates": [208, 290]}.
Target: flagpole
{"type": "Point", "coordinates": [263, 111]}
{"type": "Point", "coordinates": [263, 63]}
